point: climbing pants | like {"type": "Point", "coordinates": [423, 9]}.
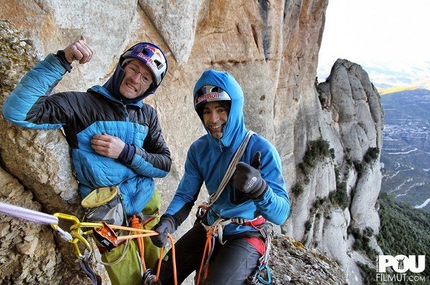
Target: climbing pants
{"type": "Point", "coordinates": [230, 264]}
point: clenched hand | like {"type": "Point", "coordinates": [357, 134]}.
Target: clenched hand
{"type": "Point", "coordinates": [107, 145]}
{"type": "Point", "coordinates": [79, 51]}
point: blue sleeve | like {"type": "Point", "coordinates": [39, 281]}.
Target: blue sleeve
{"type": "Point", "coordinates": [35, 84]}
{"type": "Point", "coordinates": [189, 186]}
{"type": "Point", "coordinates": [274, 205]}
{"type": "Point", "coordinates": [143, 167]}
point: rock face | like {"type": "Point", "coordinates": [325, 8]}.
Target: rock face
{"type": "Point", "coordinates": [271, 47]}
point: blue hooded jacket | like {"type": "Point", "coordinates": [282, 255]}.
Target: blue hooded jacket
{"type": "Point", "coordinates": [208, 159]}
{"type": "Point", "coordinates": [84, 114]}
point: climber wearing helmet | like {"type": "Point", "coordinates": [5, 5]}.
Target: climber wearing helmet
{"type": "Point", "coordinates": [115, 138]}
{"type": "Point", "coordinates": [229, 241]}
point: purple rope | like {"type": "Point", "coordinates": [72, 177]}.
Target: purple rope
{"type": "Point", "coordinates": [27, 214]}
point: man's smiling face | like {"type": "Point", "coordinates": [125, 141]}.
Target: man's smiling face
{"type": "Point", "coordinates": [215, 116]}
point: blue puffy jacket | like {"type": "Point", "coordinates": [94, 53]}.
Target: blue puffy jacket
{"type": "Point", "coordinates": [97, 111]}
{"type": "Point", "coordinates": [208, 159]}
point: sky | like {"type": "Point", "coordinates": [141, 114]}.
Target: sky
{"type": "Point", "coordinates": [376, 31]}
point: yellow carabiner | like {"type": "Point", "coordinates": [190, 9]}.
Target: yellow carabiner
{"type": "Point", "coordinates": [76, 234]}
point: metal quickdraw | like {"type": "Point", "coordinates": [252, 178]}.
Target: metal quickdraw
{"type": "Point", "coordinates": [76, 234]}
{"type": "Point", "coordinates": [202, 210]}
{"type": "Point", "coordinates": [262, 274]}
{"type": "Point", "coordinates": [75, 237]}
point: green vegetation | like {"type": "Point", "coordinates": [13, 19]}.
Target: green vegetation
{"type": "Point", "coordinates": [404, 230]}
{"type": "Point", "coordinates": [308, 226]}
{"type": "Point", "coordinates": [340, 196]}
{"type": "Point", "coordinates": [297, 189]}
{"type": "Point", "coordinates": [317, 149]}
{"type": "Point", "coordinates": [367, 274]}
{"type": "Point", "coordinates": [362, 241]}
{"type": "Point", "coordinates": [371, 155]}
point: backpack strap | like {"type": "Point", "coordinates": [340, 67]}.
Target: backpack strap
{"type": "Point", "coordinates": [230, 170]}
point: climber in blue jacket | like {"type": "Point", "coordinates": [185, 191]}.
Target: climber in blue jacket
{"type": "Point", "coordinates": [115, 138]}
{"type": "Point", "coordinates": [237, 215]}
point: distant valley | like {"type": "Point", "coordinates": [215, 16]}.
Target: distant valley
{"type": "Point", "coordinates": [389, 74]}
{"type": "Point", "coordinates": [405, 154]}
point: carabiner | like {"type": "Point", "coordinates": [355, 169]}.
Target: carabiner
{"type": "Point", "coordinates": [266, 268]}
{"type": "Point", "coordinates": [76, 234]}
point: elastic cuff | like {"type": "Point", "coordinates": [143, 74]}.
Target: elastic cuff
{"type": "Point", "coordinates": [62, 58]}
{"type": "Point", "coordinates": [127, 154]}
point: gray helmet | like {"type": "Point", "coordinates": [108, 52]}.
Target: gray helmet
{"type": "Point", "coordinates": [210, 93]}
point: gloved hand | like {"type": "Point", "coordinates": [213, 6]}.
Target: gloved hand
{"type": "Point", "coordinates": [165, 226]}
{"type": "Point", "coordinates": [247, 178]}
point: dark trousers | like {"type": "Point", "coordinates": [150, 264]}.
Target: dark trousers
{"type": "Point", "coordinates": [230, 264]}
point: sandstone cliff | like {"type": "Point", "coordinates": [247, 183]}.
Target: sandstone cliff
{"type": "Point", "coordinates": [271, 47]}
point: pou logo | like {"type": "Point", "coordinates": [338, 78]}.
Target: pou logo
{"type": "Point", "coordinates": [402, 263]}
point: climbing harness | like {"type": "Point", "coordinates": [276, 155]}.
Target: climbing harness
{"type": "Point", "coordinates": [78, 231]}
{"type": "Point", "coordinates": [216, 231]}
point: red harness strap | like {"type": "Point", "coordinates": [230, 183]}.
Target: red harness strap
{"type": "Point", "coordinates": [258, 244]}
{"type": "Point", "coordinates": [255, 222]}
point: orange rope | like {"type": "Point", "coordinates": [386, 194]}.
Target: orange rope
{"type": "Point", "coordinates": [159, 263]}
{"type": "Point", "coordinates": [147, 233]}
{"type": "Point", "coordinates": [206, 251]}
{"type": "Point", "coordinates": [175, 274]}
{"type": "Point", "coordinates": [135, 223]}
{"type": "Point", "coordinates": [116, 227]}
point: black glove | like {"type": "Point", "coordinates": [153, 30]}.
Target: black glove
{"type": "Point", "coordinates": [165, 226]}
{"type": "Point", "coordinates": [247, 178]}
